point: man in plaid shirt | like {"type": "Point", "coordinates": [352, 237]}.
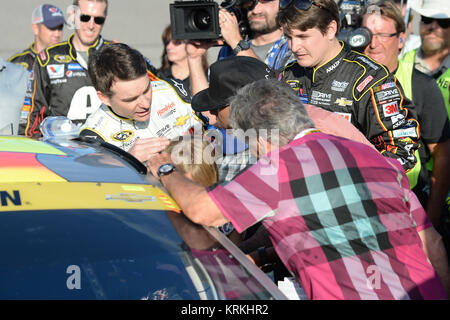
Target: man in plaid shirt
{"type": "Point", "coordinates": [341, 216]}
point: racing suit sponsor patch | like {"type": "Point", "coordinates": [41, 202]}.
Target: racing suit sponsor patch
{"type": "Point", "coordinates": [62, 58]}
{"type": "Point", "coordinates": [180, 87]}
{"type": "Point", "coordinates": [166, 109]}
{"type": "Point", "coordinates": [343, 102]}
{"type": "Point", "coordinates": [25, 108]}
{"type": "Point", "coordinates": [43, 56]}
{"type": "Point", "coordinates": [384, 86]}
{"type": "Point", "coordinates": [339, 86]}
{"type": "Point", "coordinates": [296, 86]}
{"type": "Point", "coordinates": [333, 66]}
{"type": "Point", "coordinates": [55, 71]}
{"type": "Point", "coordinates": [74, 67]}
{"type": "Point", "coordinates": [368, 62]}
{"type": "Point", "coordinates": [58, 81]}
{"type": "Point", "coordinates": [70, 74]}
{"type": "Point", "coordinates": [182, 120]}
{"type": "Point", "coordinates": [320, 97]}
{"type": "Point", "coordinates": [405, 132]}
{"type": "Point", "coordinates": [364, 84]}
{"type": "Point", "coordinates": [163, 131]}
{"type": "Point", "coordinates": [123, 136]}
{"type": "Point", "coordinates": [398, 120]}
{"type": "Point", "coordinates": [390, 109]}
{"type": "Point", "coordinates": [387, 94]}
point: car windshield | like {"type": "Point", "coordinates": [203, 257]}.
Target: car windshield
{"type": "Point", "coordinates": [116, 254]}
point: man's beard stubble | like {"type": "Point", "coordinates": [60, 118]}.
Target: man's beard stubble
{"type": "Point", "coordinates": [430, 47]}
{"type": "Point", "coordinates": [259, 27]}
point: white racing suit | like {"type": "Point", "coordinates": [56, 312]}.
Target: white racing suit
{"type": "Point", "coordinates": [170, 116]}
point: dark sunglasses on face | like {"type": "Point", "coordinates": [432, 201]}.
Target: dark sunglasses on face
{"type": "Point", "coordinates": [299, 4]}
{"type": "Point", "coordinates": [443, 23]}
{"type": "Point", "coordinates": [87, 18]}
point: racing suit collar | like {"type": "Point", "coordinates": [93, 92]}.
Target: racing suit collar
{"type": "Point", "coordinates": [73, 51]}
{"type": "Point", "coordinates": [116, 115]}
{"type": "Point", "coordinates": [328, 68]}
{"type": "Point", "coordinates": [33, 50]}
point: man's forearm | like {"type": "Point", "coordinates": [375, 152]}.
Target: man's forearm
{"type": "Point", "coordinates": [435, 250]}
{"type": "Point", "coordinates": [440, 181]}
{"type": "Point", "coordinates": [193, 199]}
{"type": "Point", "coordinates": [197, 77]}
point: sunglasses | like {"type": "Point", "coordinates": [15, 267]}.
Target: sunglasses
{"type": "Point", "coordinates": [443, 23]}
{"type": "Point", "coordinates": [300, 4]}
{"type": "Point", "coordinates": [87, 18]}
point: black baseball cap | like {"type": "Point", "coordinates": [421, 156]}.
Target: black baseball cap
{"type": "Point", "coordinates": [226, 77]}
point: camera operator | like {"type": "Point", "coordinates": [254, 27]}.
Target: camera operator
{"type": "Point", "coordinates": [330, 75]}
{"type": "Point", "coordinates": [267, 44]}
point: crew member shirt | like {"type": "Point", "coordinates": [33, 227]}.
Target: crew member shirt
{"type": "Point", "coordinates": [341, 217]}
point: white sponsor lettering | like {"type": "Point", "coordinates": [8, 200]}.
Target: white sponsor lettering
{"type": "Point", "coordinates": [388, 94]}
{"type": "Point", "coordinates": [333, 66]}
{"type": "Point", "coordinates": [84, 102]}
{"type": "Point", "coordinates": [339, 85]}
{"type": "Point", "coordinates": [368, 62]}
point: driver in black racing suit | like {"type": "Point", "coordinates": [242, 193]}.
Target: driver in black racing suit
{"type": "Point", "coordinates": [330, 75]}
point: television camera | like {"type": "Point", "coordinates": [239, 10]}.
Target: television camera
{"type": "Point", "coordinates": [199, 20]}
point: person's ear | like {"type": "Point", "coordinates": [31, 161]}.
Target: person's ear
{"type": "Point", "coordinates": [35, 29]}
{"type": "Point", "coordinates": [332, 30]}
{"type": "Point", "coordinates": [401, 42]}
{"type": "Point", "coordinates": [104, 98]}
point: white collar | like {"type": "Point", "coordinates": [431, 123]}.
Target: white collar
{"type": "Point", "coordinates": [305, 132]}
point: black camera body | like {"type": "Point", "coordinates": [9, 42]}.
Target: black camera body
{"type": "Point", "coordinates": [194, 20]}
{"type": "Point", "coordinates": [199, 20]}
{"type": "Point", "coordinates": [349, 14]}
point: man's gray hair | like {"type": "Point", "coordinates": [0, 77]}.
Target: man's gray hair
{"type": "Point", "coordinates": [269, 104]}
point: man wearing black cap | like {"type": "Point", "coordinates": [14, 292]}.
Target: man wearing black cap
{"type": "Point", "coordinates": [231, 74]}
{"type": "Point", "coordinates": [47, 23]}
{"type": "Point", "coordinates": [226, 77]}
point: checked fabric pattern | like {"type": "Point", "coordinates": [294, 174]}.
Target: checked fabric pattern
{"type": "Point", "coordinates": [341, 217]}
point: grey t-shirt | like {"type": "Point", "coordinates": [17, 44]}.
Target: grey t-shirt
{"type": "Point", "coordinates": [262, 51]}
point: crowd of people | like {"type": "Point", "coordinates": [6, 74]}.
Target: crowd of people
{"type": "Point", "coordinates": [330, 163]}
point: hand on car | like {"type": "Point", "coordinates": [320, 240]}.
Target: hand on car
{"type": "Point", "coordinates": [143, 149]}
{"type": "Point", "coordinates": [156, 161]}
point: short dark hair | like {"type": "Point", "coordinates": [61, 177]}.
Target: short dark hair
{"type": "Point", "coordinates": [317, 16]}
{"type": "Point", "coordinates": [77, 2]}
{"type": "Point", "coordinates": [115, 61]}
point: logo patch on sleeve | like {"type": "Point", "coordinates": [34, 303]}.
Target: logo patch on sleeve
{"type": "Point", "coordinates": [390, 109]}
{"type": "Point", "coordinates": [364, 83]}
